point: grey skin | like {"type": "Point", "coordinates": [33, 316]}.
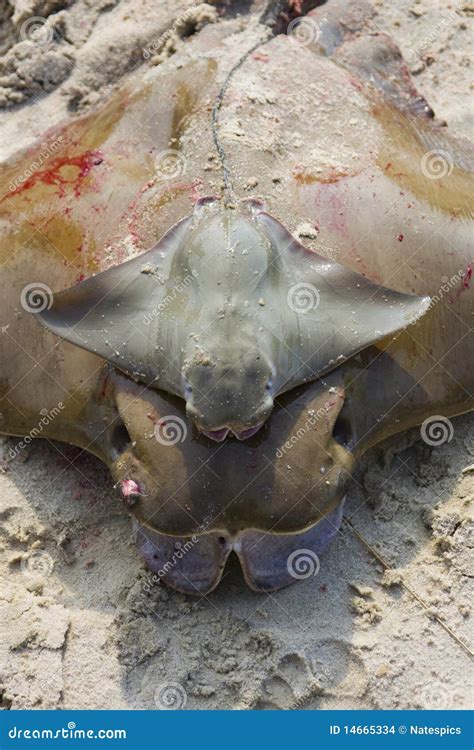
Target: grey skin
{"type": "Point", "coordinates": [361, 174]}
{"type": "Point", "coordinates": [260, 315]}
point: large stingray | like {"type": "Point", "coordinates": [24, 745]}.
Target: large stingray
{"type": "Point", "coordinates": [259, 315]}
{"type": "Point", "coordinates": [309, 327]}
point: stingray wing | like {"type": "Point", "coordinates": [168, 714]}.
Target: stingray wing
{"type": "Point", "coordinates": [332, 312]}
{"type": "Point", "coordinates": [117, 313]}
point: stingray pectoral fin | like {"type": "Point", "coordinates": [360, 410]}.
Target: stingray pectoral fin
{"type": "Point", "coordinates": [332, 311]}
{"type": "Point", "coordinates": [113, 314]}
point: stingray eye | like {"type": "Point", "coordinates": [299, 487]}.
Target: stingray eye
{"type": "Point", "coordinates": [269, 385]}
{"type": "Point", "coordinates": [187, 389]}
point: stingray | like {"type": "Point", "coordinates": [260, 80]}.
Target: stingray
{"type": "Point", "coordinates": [241, 271]}
{"type": "Point", "coordinates": [260, 315]}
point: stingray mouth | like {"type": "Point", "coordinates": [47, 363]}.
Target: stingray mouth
{"type": "Point", "coordinates": [221, 434]}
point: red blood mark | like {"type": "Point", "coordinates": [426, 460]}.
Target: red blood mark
{"type": "Point", "coordinates": [356, 84]}
{"type": "Point", "coordinates": [302, 177]}
{"type": "Point", "coordinates": [260, 57]}
{"type": "Point", "coordinates": [465, 282]}
{"type": "Point", "coordinates": [253, 463]}
{"type": "Point", "coordinates": [147, 186]}
{"type": "Point", "coordinates": [196, 192]}
{"type": "Point", "coordinates": [466, 279]}
{"type": "Point", "coordinates": [104, 387]}
{"type": "Point", "coordinates": [80, 278]}
{"type": "Point", "coordinates": [135, 207]}
{"type": "Point", "coordinates": [400, 237]}
{"type": "Point", "coordinates": [52, 175]}
{"type": "Point", "coordinates": [296, 6]}
{"type": "Point", "coordinates": [129, 487]}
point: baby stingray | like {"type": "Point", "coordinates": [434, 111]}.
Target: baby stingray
{"type": "Point", "coordinates": [228, 311]}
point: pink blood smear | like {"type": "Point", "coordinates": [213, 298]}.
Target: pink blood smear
{"type": "Point", "coordinates": [465, 283]}
{"type": "Point", "coordinates": [296, 6]}
{"type": "Point", "coordinates": [52, 176]}
{"type": "Point", "coordinates": [130, 487]}
{"type": "Point", "coordinates": [466, 279]}
{"type": "Point", "coordinates": [260, 57]}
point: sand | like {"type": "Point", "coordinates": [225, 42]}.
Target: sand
{"type": "Point", "coordinates": [79, 627]}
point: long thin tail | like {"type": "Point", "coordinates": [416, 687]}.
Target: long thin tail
{"type": "Point", "coordinates": [267, 19]}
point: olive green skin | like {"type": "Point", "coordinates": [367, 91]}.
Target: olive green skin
{"type": "Point", "coordinates": [100, 201]}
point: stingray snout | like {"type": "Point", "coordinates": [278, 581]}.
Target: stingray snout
{"type": "Point", "coordinates": [223, 432]}
{"type": "Point", "coordinates": [229, 394]}
{"type": "Point", "coordinates": [228, 422]}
